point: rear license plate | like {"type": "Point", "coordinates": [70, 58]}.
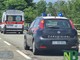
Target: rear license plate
{"type": "Point", "coordinates": [9, 25]}
{"type": "Point", "coordinates": [58, 42]}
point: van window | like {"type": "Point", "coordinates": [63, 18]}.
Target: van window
{"type": "Point", "coordinates": [16, 18]}
{"type": "Point", "coordinates": [57, 23]}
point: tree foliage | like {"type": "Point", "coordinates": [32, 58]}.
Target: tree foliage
{"type": "Point", "coordinates": [15, 4]}
{"type": "Point", "coordinates": [29, 2]}
{"type": "Point", "coordinates": [41, 6]}
{"type": "Point", "coordinates": [69, 8]}
{"type": "Point", "coordinates": [30, 14]}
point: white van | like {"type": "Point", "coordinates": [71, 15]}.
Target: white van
{"type": "Point", "coordinates": [12, 21]}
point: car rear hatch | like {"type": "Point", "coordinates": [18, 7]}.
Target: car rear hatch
{"type": "Point", "coordinates": [57, 29]}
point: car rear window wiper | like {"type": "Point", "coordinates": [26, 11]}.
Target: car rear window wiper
{"type": "Point", "coordinates": [54, 27]}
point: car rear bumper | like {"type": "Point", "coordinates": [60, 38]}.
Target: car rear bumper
{"type": "Point", "coordinates": [47, 45]}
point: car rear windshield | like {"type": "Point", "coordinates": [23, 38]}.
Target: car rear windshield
{"type": "Point", "coordinates": [57, 23]}
{"type": "Point", "coordinates": [16, 18]}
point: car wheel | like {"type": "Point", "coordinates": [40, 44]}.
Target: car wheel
{"type": "Point", "coordinates": [34, 50]}
{"type": "Point", "coordinates": [26, 47]}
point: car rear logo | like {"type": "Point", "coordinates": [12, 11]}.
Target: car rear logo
{"type": "Point", "coordinates": [58, 32]}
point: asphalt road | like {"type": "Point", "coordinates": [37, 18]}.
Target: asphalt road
{"type": "Point", "coordinates": [10, 52]}
{"type": "Point", "coordinates": [17, 42]}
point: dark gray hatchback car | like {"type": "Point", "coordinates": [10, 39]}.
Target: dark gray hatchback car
{"type": "Point", "coordinates": [51, 33]}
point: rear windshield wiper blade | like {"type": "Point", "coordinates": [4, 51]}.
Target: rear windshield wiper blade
{"type": "Point", "coordinates": [54, 27]}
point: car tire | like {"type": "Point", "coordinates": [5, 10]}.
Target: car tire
{"type": "Point", "coordinates": [26, 47]}
{"type": "Point", "coordinates": [34, 50]}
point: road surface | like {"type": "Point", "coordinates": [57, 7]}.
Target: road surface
{"type": "Point", "coordinates": [14, 43]}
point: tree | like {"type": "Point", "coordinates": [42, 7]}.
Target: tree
{"type": "Point", "coordinates": [30, 14]}
{"type": "Point", "coordinates": [41, 7]}
{"type": "Point", "coordinates": [15, 4]}
{"type": "Point", "coordinates": [61, 6]}
{"type": "Point", "coordinates": [2, 7]}
{"type": "Point", "coordinates": [50, 9]}
{"type": "Point", "coordinates": [29, 2]}
{"type": "Point", "coordinates": [70, 9]}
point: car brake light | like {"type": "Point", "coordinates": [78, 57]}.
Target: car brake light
{"type": "Point", "coordinates": [41, 25]}
{"type": "Point", "coordinates": [43, 47]}
{"type": "Point", "coordinates": [72, 25]}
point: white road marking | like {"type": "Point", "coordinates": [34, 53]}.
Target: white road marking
{"type": "Point", "coordinates": [27, 57]}
{"type": "Point", "coordinates": [7, 43]}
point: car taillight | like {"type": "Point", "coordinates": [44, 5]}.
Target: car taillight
{"type": "Point", "coordinates": [43, 47]}
{"type": "Point", "coordinates": [41, 25]}
{"type": "Point", "coordinates": [72, 25]}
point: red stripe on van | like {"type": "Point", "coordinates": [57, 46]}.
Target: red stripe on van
{"type": "Point", "coordinates": [10, 22]}
{"type": "Point", "coordinates": [22, 22]}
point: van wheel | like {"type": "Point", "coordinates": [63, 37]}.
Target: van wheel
{"type": "Point", "coordinates": [21, 32]}
{"type": "Point", "coordinates": [1, 31]}
{"type": "Point", "coordinates": [17, 32]}
{"type": "Point", "coordinates": [34, 50]}
{"type": "Point", "coordinates": [4, 32]}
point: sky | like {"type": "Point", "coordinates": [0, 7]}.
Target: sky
{"type": "Point", "coordinates": [48, 0]}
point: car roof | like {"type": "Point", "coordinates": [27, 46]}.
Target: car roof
{"type": "Point", "coordinates": [53, 17]}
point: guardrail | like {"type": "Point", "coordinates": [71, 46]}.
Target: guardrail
{"type": "Point", "coordinates": [78, 32]}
